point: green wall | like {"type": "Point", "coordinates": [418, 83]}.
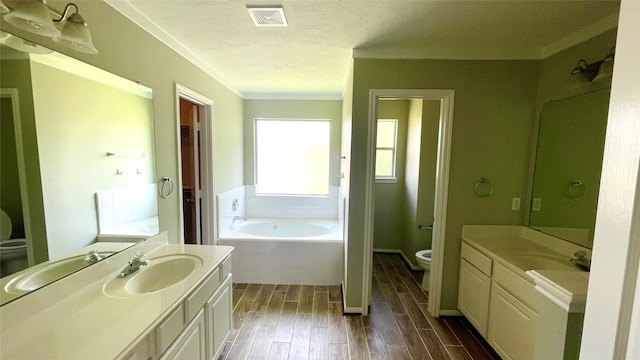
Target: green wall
{"type": "Point", "coordinates": [131, 52]}
{"type": "Point", "coordinates": [10, 201]}
{"type": "Point", "coordinates": [76, 127]}
{"type": "Point", "coordinates": [492, 124]}
{"type": "Point", "coordinates": [389, 196]}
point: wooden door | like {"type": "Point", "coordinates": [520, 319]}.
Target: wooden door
{"type": "Point", "coordinates": [191, 184]}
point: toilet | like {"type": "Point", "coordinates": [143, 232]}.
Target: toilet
{"type": "Point", "coordinates": [424, 260]}
{"type": "Point", "coordinates": [13, 252]}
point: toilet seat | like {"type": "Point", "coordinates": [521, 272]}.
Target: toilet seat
{"type": "Point", "coordinates": [5, 226]}
{"type": "Point", "coordinates": [424, 255]}
{"type": "Point", "coordinates": [13, 246]}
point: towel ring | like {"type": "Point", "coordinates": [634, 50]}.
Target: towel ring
{"type": "Point", "coordinates": [483, 183]}
{"type": "Point", "coordinates": [165, 181]}
{"type": "Point", "coordinates": [576, 190]}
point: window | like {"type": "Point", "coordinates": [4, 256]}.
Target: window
{"type": "Point", "coordinates": [386, 149]}
{"type": "Point", "coordinates": [292, 156]}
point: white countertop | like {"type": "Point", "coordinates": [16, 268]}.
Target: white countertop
{"type": "Point", "coordinates": [567, 289]}
{"type": "Point", "coordinates": [85, 323]}
{"type": "Point", "coordinates": [564, 285]}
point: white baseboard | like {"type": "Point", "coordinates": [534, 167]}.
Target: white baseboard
{"type": "Point", "coordinates": [398, 251]}
{"type": "Point", "coordinates": [348, 309]}
{"type": "Point", "coordinates": [450, 313]}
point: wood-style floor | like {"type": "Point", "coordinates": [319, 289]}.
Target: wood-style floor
{"type": "Point", "coordinates": [299, 322]}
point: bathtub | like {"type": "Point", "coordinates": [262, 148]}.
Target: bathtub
{"type": "Point", "coordinates": [285, 251]}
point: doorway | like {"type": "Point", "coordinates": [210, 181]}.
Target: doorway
{"type": "Point", "coordinates": [444, 130]}
{"type": "Point", "coordinates": [195, 156]}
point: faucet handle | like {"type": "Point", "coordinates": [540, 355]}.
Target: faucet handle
{"type": "Point", "coordinates": [580, 254]}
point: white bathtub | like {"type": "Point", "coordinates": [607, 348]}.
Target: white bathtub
{"type": "Point", "coordinates": [286, 251]}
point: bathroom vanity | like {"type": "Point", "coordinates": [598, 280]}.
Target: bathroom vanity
{"type": "Point", "coordinates": [520, 290]}
{"type": "Point", "coordinates": [179, 306]}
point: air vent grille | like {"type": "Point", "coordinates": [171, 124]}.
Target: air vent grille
{"type": "Point", "coordinates": [272, 16]}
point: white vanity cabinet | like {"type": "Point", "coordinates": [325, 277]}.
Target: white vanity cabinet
{"type": "Point", "coordinates": [197, 328]}
{"type": "Point", "coordinates": [475, 287]}
{"type": "Point", "coordinates": [512, 315]}
{"type": "Point", "coordinates": [500, 304]}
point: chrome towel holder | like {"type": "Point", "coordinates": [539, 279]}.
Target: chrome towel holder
{"type": "Point", "coordinates": [165, 181]}
{"type": "Point", "coordinates": [483, 188]}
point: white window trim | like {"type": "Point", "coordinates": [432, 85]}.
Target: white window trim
{"type": "Point", "coordinates": [393, 178]}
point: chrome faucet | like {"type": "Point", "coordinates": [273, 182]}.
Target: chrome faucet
{"type": "Point", "coordinates": [139, 261]}
{"type": "Point", "coordinates": [581, 260]}
{"type": "Point", "coordinates": [91, 258]}
{"type": "Point", "coordinates": [243, 218]}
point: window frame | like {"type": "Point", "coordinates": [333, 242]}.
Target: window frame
{"type": "Point", "coordinates": [393, 177]}
{"type": "Point", "coordinates": [256, 156]}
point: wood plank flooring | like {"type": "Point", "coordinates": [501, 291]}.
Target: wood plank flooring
{"type": "Point", "coordinates": [299, 322]}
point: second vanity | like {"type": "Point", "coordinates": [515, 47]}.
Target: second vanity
{"type": "Point", "coordinates": [520, 290]}
{"type": "Point", "coordinates": [179, 306]}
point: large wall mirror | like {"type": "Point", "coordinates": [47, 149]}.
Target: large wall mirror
{"type": "Point", "coordinates": [568, 166]}
{"type": "Point", "coordinates": [78, 165]}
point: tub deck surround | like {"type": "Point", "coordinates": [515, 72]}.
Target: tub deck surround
{"type": "Point", "coordinates": [323, 230]}
{"type": "Point", "coordinates": [292, 258]}
{"type": "Point", "coordinates": [75, 319]}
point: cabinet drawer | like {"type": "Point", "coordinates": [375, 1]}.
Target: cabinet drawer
{"type": "Point", "coordinates": [169, 329]}
{"type": "Point", "coordinates": [199, 297]}
{"type": "Point", "coordinates": [477, 259]}
{"type": "Point", "coordinates": [225, 268]}
{"type": "Point", "coordinates": [516, 286]}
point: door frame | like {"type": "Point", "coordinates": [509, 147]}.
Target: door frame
{"type": "Point", "coordinates": [12, 93]}
{"type": "Point", "coordinates": [208, 216]}
{"type": "Point", "coordinates": [445, 129]}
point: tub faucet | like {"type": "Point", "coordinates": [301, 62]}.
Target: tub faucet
{"type": "Point", "coordinates": [138, 262]}
{"type": "Point", "coordinates": [243, 218]}
{"type": "Point", "coordinates": [581, 260]}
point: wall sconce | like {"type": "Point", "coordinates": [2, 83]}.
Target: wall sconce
{"type": "Point", "coordinates": [585, 73]}
{"type": "Point", "coordinates": [69, 30]}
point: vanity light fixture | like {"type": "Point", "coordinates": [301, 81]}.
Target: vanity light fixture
{"type": "Point", "coordinates": [24, 45]}
{"type": "Point", "coordinates": [71, 31]}
{"type": "Point", "coordinates": [3, 8]}
{"type": "Point", "coordinates": [585, 73]}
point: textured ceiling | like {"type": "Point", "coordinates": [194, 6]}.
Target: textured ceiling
{"type": "Point", "coordinates": [311, 56]}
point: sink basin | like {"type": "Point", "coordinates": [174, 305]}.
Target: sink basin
{"type": "Point", "coordinates": [47, 273]}
{"type": "Point", "coordinates": [161, 273]}
{"type": "Point", "coordinates": [540, 261]}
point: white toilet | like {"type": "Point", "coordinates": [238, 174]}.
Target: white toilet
{"type": "Point", "coordinates": [13, 252]}
{"type": "Point", "coordinates": [424, 260]}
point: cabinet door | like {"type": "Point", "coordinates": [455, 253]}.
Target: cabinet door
{"type": "Point", "coordinates": [473, 296]}
{"type": "Point", "coordinates": [511, 326]}
{"type": "Point", "coordinates": [219, 318]}
{"type": "Point", "coordinates": [190, 344]}
{"type": "Point", "coordinates": [140, 351]}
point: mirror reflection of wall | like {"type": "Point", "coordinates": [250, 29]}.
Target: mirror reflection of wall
{"type": "Point", "coordinates": [65, 117]}
{"type": "Point", "coordinates": [568, 166]}
{"type": "Point", "coordinates": [76, 128]}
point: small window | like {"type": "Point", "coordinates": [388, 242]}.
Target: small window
{"type": "Point", "coordinates": [386, 149]}
{"type": "Point", "coordinates": [292, 157]}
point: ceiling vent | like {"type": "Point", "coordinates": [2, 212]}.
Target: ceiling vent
{"type": "Point", "coordinates": [267, 16]}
